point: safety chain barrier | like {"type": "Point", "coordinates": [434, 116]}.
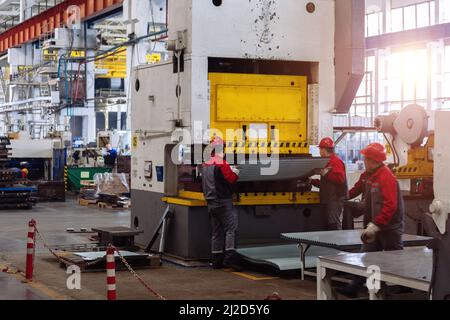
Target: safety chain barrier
{"type": "Point", "coordinates": [31, 247]}
{"type": "Point", "coordinates": [142, 281]}
{"type": "Point", "coordinates": [64, 260]}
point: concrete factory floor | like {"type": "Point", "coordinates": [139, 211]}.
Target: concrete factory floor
{"type": "Point", "coordinates": [173, 282]}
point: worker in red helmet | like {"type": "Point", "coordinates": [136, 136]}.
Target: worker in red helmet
{"type": "Point", "coordinates": [217, 180]}
{"type": "Point", "coordinates": [384, 208]}
{"type": "Point", "coordinates": [333, 186]}
{"type": "Point", "coordinates": [24, 170]}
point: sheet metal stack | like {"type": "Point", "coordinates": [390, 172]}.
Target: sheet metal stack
{"type": "Point", "coordinates": [11, 196]}
{"type": "Point", "coordinates": [6, 175]}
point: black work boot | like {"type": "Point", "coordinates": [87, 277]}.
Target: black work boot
{"type": "Point", "coordinates": [217, 261]}
{"type": "Point", "coordinates": [231, 261]}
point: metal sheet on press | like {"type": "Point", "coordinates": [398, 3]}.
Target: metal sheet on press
{"type": "Point", "coordinates": [280, 169]}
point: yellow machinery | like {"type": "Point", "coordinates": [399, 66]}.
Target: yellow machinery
{"type": "Point", "coordinates": [420, 162]}
{"type": "Point", "coordinates": [274, 104]}
{"type": "Point", "coordinates": [409, 135]}
{"type": "Point", "coordinates": [409, 130]}
{"type": "Point", "coordinates": [109, 65]}
{"type": "Point", "coordinates": [264, 114]}
{"type": "Point", "coordinates": [113, 66]}
{"type": "Point", "coordinates": [153, 58]}
{"type": "Point", "coordinates": [420, 168]}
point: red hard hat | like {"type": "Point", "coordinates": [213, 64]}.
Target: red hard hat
{"type": "Point", "coordinates": [375, 151]}
{"type": "Point", "coordinates": [327, 143]}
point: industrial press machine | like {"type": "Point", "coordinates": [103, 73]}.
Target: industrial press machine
{"type": "Point", "coordinates": [410, 136]}
{"type": "Point", "coordinates": [273, 71]}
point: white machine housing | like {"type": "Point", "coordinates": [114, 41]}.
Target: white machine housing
{"type": "Point", "coordinates": [269, 30]}
{"type": "Point", "coordinates": [440, 208]}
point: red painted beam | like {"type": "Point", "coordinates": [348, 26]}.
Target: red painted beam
{"type": "Point", "coordinates": [49, 20]}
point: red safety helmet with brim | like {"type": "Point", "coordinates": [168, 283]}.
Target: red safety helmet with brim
{"type": "Point", "coordinates": [327, 143]}
{"type": "Point", "coordinates": [375, 152]}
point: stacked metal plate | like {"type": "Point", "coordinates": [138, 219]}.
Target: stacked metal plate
{"type": "Point", "coordinates": [5, 174]}
{"type": "Point", "coordinates": [11, 196]}
{"type": "Point", "coordinates": [280, 169]}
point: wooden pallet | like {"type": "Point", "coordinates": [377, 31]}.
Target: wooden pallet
{"type": "Point", "coordinates": [105, 205]}
{"type": "Point", "coordinates": [127, 205]}
{"type": "Point", "coordinates": [86, 203]}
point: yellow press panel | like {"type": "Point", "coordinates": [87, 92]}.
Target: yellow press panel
{"type": "Point", "coordinates": [196, 199]}
{"type": "Point", "coordinates": [273, 106]}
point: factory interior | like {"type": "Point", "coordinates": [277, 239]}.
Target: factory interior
{"type": "Point", "coordinates": [224, 150]}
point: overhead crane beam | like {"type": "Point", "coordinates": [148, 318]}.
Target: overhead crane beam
{"type": "Point", "coordinates": [55, 17]}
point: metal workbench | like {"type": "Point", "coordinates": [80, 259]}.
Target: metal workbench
{"type": "Point", "coordinates": [410, 268]}
{"type": "Point", "coordinates": [345, 240]}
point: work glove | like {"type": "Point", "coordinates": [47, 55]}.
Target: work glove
{"type": "Point", "coordinates": [370, 233]}
{"type": "Point", "coordinates": [235, 170]}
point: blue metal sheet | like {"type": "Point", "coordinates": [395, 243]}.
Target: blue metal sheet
{"type": "Point", "coordinates": [284, 257]}
{"type": "Point", "coordinates": [18, 189]}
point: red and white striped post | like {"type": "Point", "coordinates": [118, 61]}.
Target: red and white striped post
{"type": "Point", "coordinates": [30, 250]}
{"type": "Point", "coordinates": [111, 273]}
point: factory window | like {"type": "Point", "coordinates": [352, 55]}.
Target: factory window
{"type": "Point", "coordinates": [123, 121]}
{"type": "Point", "coordinates": [374, 24]}
{"type": "Point", "coordinates": [100, 121]}
{"type": "Point", "coordinates": [397, 20]}
{"type": "Point", "coordinates": [349, 149]}
{"type": "Point", "coordinates": [401, 79]}
{"type": "Point", "coordinates": [414, 16]}
{"type": "Point", "coordinates": [112, 120]}
{"type": "Point", "coordinates": [405, 81]}
{"type": "Point", "coordinates": [423, 15]}
{"type": "Point", "coordinates": [445, 96]}
{"type": "Point", "coordinates": [433, 13]}
{"type": "Point", "coordinates": [409, 18]}
{"type": "Point", "coordinates": [444, 11]}
{"type": "Point", "coordinates": [363, 105]}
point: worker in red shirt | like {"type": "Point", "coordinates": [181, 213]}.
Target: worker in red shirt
{"type": "Point", "coordinates": [384, 208]}
{"type": "Point", "coordinates": [217, 180]}
{"type": "Point", "coordinates": [333, 186]}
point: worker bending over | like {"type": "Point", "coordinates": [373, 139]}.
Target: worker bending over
{"type": "Point", "coordinates": [333, 186]}
{"type": "Point", "coordinates": [217, 180]}
{"type": "Point", "coordinates": [384, 208]}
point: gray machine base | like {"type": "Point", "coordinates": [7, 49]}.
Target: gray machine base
{"type": "Point", "coordinates": [189, 233]}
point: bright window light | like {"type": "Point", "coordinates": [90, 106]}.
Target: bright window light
{"type": "Point", "coordinates": [423, 15]}
{"type": "Point", "coordinates": [397, 20]}
{"type": "Point", "coordinates": [409, 14]}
